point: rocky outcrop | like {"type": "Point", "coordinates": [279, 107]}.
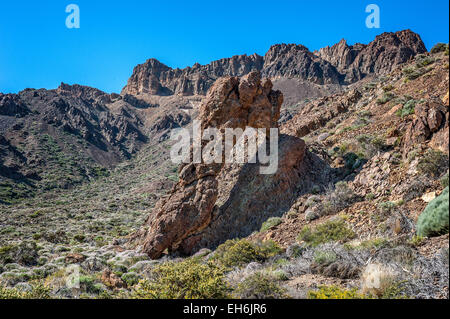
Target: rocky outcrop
{"type": "Point", "coordinates": [155, 78]}
{"type": "Point", "coordinates": [296, 61]}
{"type": "Point", "coordinates": [431, 123]}
{"type": "Point", "coordinates": [381, 56]}
{"type": "Point", "coordinates": [191, 217]}
{"type": "Point", "coordinates": [340, 64]}
{"type": "Point", "coordinates": [12, 105]}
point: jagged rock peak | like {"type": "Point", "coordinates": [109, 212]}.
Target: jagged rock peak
{"type": "Point", "coordinates": [153, 77]}
{"type": "Point", "coordinates": [296, 61]}
{"type": "Point", "coordinates": [340, 64]}
{"type": "Point", "coordinates": [380, 56]}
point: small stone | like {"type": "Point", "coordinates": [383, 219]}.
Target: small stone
{"type": "Point", "coordinates": [428, 197]}
{"type": "Point", "coordinates": [311, 214]}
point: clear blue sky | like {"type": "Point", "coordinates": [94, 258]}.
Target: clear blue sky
{"type": "Point", "coordinates": [38, 51]}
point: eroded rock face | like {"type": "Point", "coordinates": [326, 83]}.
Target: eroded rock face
{"type": "Point", "coordinates": [431, 122]}
{"type": "Point", "coordinates": [296, 61]}
{"type": "Point", "coordinates": [380, 56]}
{"type": "Point", "coordinates": [189, 217]}
{"type": "Point", "coordinates": [155, 78]}
{"type": "Point", "coordinates": [318, 113]}
{"type": "Point", "coordinates": [12, 105]}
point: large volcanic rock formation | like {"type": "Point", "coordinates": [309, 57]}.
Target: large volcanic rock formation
{"type": "Point", "coordinates": [215, 202]}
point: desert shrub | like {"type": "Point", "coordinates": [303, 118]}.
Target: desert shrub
{"type": "Point", "coordinates": [260, 286]}
{"type": "Point", "coordinates": [24, 253]}
{"type": "Point", "coordinates": [324, 257]}
{"type": "Point", "coordinates": [407, 109]}
{"type": "Point", "coordinates": [88, 284]}
{"type": "Point", "coordinates": [416, 240]}
{"type": "Point", "coordinates": [394, 291]}
{"type": "Point", "coordinates": [388, 88]}
{"type": "Point", "coordinates": [338, 198]}
{"type": "Point", "coordinates": [334, 292]}
{"type": "Point", "coordinates": [376, 278]}
{"type": "Point", "coordinates": [130, 278]}
{"type": "Point", "coordinates": [387, 207]}
{"type": "Point", "coordinates": [188, 279]}
{"type": "Point", "coordinates": [38, 291]}
{"type": "Point", "coordinates": [271, 222]}
{"type": "Point", "coordinates": [433, 163]}
{"type": "Point", "coordinates": [434, 220]}
{"type": "Point", "coordinates": [412, 73]}
{"type": "Point", "coordinates": [237, 253]}
{"type": "Point", "coordinates": [369, 244]}
{"type": "Point", "coordinates": [444, 180]}
{"type": "Point", "coordinates": [387, 96]}
{"type": "Point", "coordinates": [422, 61]}
{"type": "Point", "coordinates": [333, 230]}
{"type": "Point", "coordinates": [439, 47]}
{"type": "Point", "coordinates": [379, 143]}
{"type": "Point", "coordinates": [350, 159]}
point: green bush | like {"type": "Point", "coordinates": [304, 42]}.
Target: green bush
{"type": "Point", "coordinates": [433, 163]}
{"type": "Point", "coordinates": [324, 257]}
{"type": "Point", "coordinates": [260, 286]}
{"type": "Point", "coordinates": [439, 47]}
{"type": "Point", "coordinates": [407, 109]}
{"type": "Point", "coordinates": [387, 96]}
{"type": "Point", "coordinates": [271, 222]}
{"type": "Point", "coordinates": [188, 279]}
{"type": "Point", "coordinates": [444, 180]}
{"type": "Point", "coordinates": [334, 292]}
{"type": "Point", "coordinates": [237, 253]}
{"type": "Point", "coordinates": [38, 291]}
{"type": "Point", "coordinates": [412, 73]}
{"type": "Point", "coordinates": [434, 219]}
{"type": "Point", "coordinates": [130, 278]}
{"type": "Point", "coordinates": [333, 230]}
{"type": "Point", "coordinates": [422, 61]}
{"type": "Point", "coordinates": [24, 253]}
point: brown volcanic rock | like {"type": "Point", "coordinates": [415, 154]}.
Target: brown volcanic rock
{"type": "Point", "coordinates": [296, 61]}
{"type": "Point", "coordinates": [12, 105]}
{"type": "Point", "coordinates": [431, 122]}
{"type": "Point", "coordinates": [318, 113]}
{"type": "Point", "coordinates": [247, 198]}
{"type": "Point", "coordinates": [179, 219]}
{"type": "Point", "coordinates": [155, 78]}
{"type": "Point", "coordinates": [340, 64]}
{"type": "Point", "coordinates": [381, 56]}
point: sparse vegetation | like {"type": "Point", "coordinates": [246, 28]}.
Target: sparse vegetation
{"type": "Point", "coordinates": [333, 230]}
{"type": "Point", "coordinates": [387, 96]}
{"type": "Point", "coordinates": [434, 220]}
{"type": "Point", "coordinates": [188, 279]}
{"type": "Point", "coordinates": [271, 222]}
{"type": "Point", "coordinates": [334, 292]}
{"type": "Point", "coordinates": [38, 291]}
{"type": "Point", "coordinates": [439, 47]}
{"type": "Point", "coordinates": [236, 253]}
{"type": "Point", "coordinates": [432, 163]}
{"type": "Point", "coordinates": [260, 286]}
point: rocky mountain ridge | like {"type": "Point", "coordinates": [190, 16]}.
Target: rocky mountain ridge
{"type": "Point", "coordinates": [341, 64]}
